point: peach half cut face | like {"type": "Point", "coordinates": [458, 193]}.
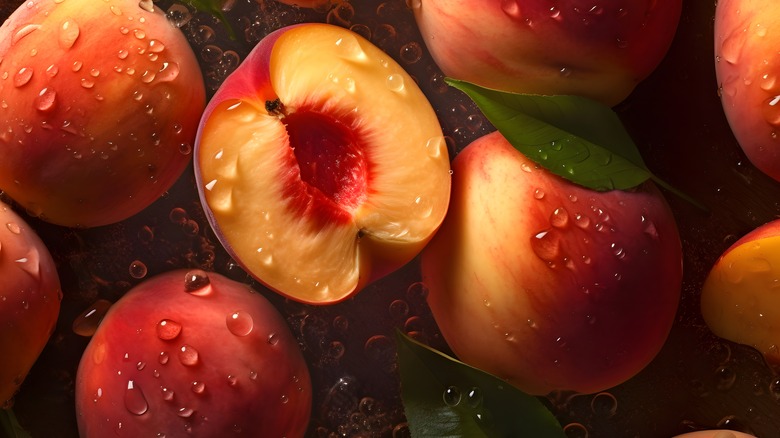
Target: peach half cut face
{"type": "Point", "coordinates": [321, 165]}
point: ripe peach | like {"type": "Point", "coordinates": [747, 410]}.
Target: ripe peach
{"type": "Point", "coordinates": [719, 433]}
{"type": "Point", "coordinates": [100, 103]}
{"type": "Point", "coordinates": [589, 48]}
{"type": "Point", "coordinates": [547, 284]}
{"type": "Point", "coordinates": [321, 164]}
{"type": "Point", "coordinates": [747, 68]}
{"type": "Point", "coordinates": [190, 353]}
{"type": "Point", "coordinates": [739, 299]}
{"type": "Point", "coordinates": [29, 300]}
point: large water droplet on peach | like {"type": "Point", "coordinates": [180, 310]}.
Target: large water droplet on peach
{"type": "Point", "coordinates": [188, 355]}
{"type": "Point", "coordinates": [771, 110]}
{"type": "Point", "coordinates": [168, 72]}
{"type": "Point", "coordinates": [168, 329]}
{"type": "Point", "coordinates": [23, 76]}
{"type": "Point", "coordinates": [240, 323]}
{"type": "Point", "coordinates": [395, 82]}
{"type": "Point", "coordinates": [559, 218]}
{"type": "Point", "coordinates": [45, 100]}
{"type": "Point", "coordinates": [23, 32]}
{"type": "Point", "coordinates": [732, 46]}
{"type": "Point", "coordinates": [546, 245]}
{"type": "Point", "coordinates": [68, 34]}
{"type": "Point", "coordinates": [135, 401]}
{"type": "Point", "coordinates": [30, 263]}
{"type": "Point", "coordinates": [349, 49]}
{"type": "Point", "coordinates": [197, 282]}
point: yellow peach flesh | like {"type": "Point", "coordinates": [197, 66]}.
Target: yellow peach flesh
{"type": "Point", "coordinates": [245, 158]}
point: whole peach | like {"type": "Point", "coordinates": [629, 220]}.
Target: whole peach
{"type": "Point", "coordinates": [547, 284]}
{"type": "Point", "coordinates": [599, 50]}
{"type": "Point", "coordinates": [191, 353]}
{"type": "Point", "coordinates": [719, 433]}
{"type": "Point", "coordinates": [100, 103]}
{"type": "Point", "coordinates": [747, 66]}
{"type": "Point", "coordinates": [29, 299]}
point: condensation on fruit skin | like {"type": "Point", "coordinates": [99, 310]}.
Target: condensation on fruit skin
{"type": "Point", "coordinates": [188, 355]}
{"type": "Point", "coordinates": [197, 282]}
{"type": "Point", "coordinates": [168, 329]}
{"type": "Point", "coordinates": [135, 400]}
{"type": "Point", "coordinates": [239, 323]}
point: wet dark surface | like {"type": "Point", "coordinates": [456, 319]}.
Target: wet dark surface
{"type": "Point", "coordinates": [675, 117]}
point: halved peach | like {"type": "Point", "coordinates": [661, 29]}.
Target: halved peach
{"type": "Point", "coordinates": [320, 163]}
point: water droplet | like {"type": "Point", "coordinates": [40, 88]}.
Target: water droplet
{"type": "Point", "coordinates": [575, 430]}
{"type": "Point", "coordinates": [399, 309]}
{"type": "Point", "coordinates": [148, 76]}
{"type": "Point", "coordinates": [474, 398]}
{"type": "Point", "coordinates": [139, 34]}
{"type": "Point", "coordinates": [87, 322]}
{"type": "Point", "coordinates": [273, 339]}
{"type": "Point", "coordinates": [232, 380]}
{"type": "Point", "coordinates": [163, 358]}
{"type": "Point", "coordinates": [135, 402]}
{"type": "Point", "coordinates": [546, 245]}
{"type": "Point", "coordinates": [45, 100]}
{"type": "Point", "coordinates": [411, 52]}
{"type": "Point", "coordinates": [395, 82]}
{"type": "Point", "coordinates": [435, 146]}
{"type": "Point", "coordinates": [197, 282]}
{"type": "Point", "coordinates": [539, 194]}
{"type": "Point", "coordinates": [185, 412]}
{"type": "Point", "coordinates": [23, 32]}
{"type": "Point", "coordinates": [618, 251]}
{"type": "Point", "coordinates": [68, 34]}
{"type": "Point", "coordinates": [285, 399]}
{"type": "Point", "coordinates": [188, 355]}
{"type": "Point", "coordinates": [732, 46]}
{"type": "Point", "coordinates": [452, 396]}
{"type": "Point", "coordinates": [559, 218]}
{"type": "Point", "coordinates": [76, 66]}
{"type": "Point", "coordinates": [349, 48]}
{"type": "Point", "coordinates": [650, 228]}
{"type": "Point", "coordinates": [198, 387]}
{"type": "Point", "coordinates": [23, 76]}
{"type": "Point", "coordinates": [771, 110]}
{"type": "Point", "coordinates": [240, 323]}
{"type": "Point", "coordinates": [137, 269]}
{"type": "Point", "coordinates": [13, 227]}
{"type": "Point", "coordinates": [725, 377]}
{"type": "Point", "coordinates": [604, 405]}
{"type": "Point", "coordinates": [156, 46]}
{"type": "Point", "coordinates": [30, 263]}
{"type": "Point", "coordinates": [168, 329]}
{"type": "Point", "coordinates": [52, 70]}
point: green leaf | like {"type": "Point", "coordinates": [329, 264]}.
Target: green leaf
{"type": "Point", "coordinates": [574, 137]}
{"type": "Point", "coordinates": [447, 398]}
{"type": "Point", "coordinates": [214, 7]}
{"type": "Point", "coordinates": [9, 426]}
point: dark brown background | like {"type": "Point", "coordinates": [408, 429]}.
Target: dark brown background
{"type": "Point", "coordinates": [675, 117]}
